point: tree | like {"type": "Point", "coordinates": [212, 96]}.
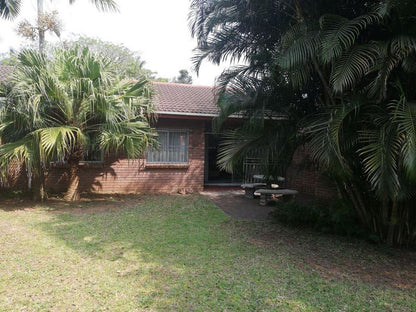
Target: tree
{"type": "Point", "coordinates": [183, 77]}
{"type": "Point", "coordinates": [68, 106]}
{"type": "Point", "coordinates": [8, 58]}
{"type": "Point", "coordinates": [44, 21]}
{"type": "Point", "coordinates": [248, 32]}
{"type": "Point", "coordinates": [125, 63]}
{"type": "Point", "coordinates": [368, 131]}
{"type": "Point", "coordinates": [351, 68]}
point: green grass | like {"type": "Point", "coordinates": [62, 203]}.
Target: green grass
{"type": "Point", "coordinates": [178, 253]}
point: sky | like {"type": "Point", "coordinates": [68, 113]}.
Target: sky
{"type": "Point", "coordinates": [158, 29]}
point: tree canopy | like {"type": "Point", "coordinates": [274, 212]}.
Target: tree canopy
{"type": "Point", "coordinates": [183, 77]}
{"type": "Point", "coordinates": [124, 62]}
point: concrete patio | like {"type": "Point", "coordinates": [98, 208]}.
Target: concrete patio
{"type": "Point", "coordinates": [233, 203]}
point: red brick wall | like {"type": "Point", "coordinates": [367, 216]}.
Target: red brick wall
{"type": "Point", "coordinates": [135, 176]}
{"type": "Point", "coordinates": [16, 178]}
{"type": "Point", "coordinates": [303, 176]}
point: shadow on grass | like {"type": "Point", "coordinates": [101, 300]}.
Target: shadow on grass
{"type": "Point", "coordinates": [197, 257]}
{"type": "Point", "coordinates": [89, 203]}
{"type": "Point", "coordinates": [11, 200]}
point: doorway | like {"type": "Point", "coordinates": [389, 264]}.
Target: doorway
{"type": "Point", "coordinates": [213, 175]}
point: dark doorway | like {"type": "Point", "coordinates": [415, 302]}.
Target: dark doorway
{"type": "Point", "coordinates": [213, 175]}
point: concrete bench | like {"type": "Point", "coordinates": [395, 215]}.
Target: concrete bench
{"type": "Point", "coordinates": [250, 188]}
{"type": "Point", "coordinates": [266, 194]}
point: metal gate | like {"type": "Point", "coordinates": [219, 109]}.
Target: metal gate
{"type": "Point", "coordinates": [252, 166]}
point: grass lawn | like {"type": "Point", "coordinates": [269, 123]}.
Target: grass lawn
{"type": "Point", "coordinates": [182, 253]}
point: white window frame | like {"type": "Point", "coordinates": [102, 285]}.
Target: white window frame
{"type": "Point", "coordinates": [157, 150]}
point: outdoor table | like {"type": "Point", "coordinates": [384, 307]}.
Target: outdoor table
{"type": "Point", "coordinates": [250, 188]}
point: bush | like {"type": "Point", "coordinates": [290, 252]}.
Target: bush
{"type": "Point", "coordinates": [336, 217]}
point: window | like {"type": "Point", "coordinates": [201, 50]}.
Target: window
{"type": "Point", "coordinates": [173, 148]}
{"type": "Point", "coordinates": [90, 157]}
{"type": "Point", "coordinates": [93, 156]}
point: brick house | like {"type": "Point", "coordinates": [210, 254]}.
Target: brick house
{"type": "Point", "coordinates": [186, 160]}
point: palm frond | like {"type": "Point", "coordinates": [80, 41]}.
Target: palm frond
{"type": "Point", "coordinates": [332, 136]}
{"type": "Point", "coordinates": [378, 87]}
{"type": "Point", "coordinates": [340, 34]}
{"type": "Point", "coordinates": [58, 142]}
{"type": "Point", "coordinates": [131, 138]}
{"type": "Point", "coordinates": [103, 5]}
{"type": "Point", "coordinates": [380, 160]}
{"type": "Point", "coordinates": [409, 64]}
{"type": "Point", "coordinates": [352, 65]}
{"type": "Point", "coordinates": [404, 116]}
{"type": "Point", "coordinates": [21, 151]}
{"type": "Point", "coordinates": [273, 143]}
{"type": "Point", "coordinates": [298, 47]}
{"type": "Point", "coordinates": [9, 9]}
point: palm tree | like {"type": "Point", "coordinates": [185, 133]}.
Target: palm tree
{"type": "Point", "coordinates": [367, 129]}
{"type": "Point", "coordinates": [355, 66]}
{"type": "Point", "coordinates": [252, 32]}
{"type": "Point", "coordinates": [64, 108]}
{"type": "Point", "coordinates": [247, 32]}
{"type": "Point", "coordinates": [9, 8]}
{"type": "Point", "coordinates": [271, 112]}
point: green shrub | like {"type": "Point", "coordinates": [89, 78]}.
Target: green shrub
{"type": "Point", "coordinates": [335, 217]}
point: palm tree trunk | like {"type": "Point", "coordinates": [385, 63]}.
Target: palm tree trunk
{"type": "Point", "coordinates": [358, 203]}
{"type": "Point", "coordinates": [72, 193]}
{"type": "Point", "coordinates": [38, 187]}
{"type": "Point", "coordinates": [327, 90]}
{"type": "Point", "coordinates": [391, 234]}
{"type": "Point", "coordinates": [41, 32]}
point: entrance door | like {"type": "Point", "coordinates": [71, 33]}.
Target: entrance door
{"type": "Point", "coordinates": [213, 175]}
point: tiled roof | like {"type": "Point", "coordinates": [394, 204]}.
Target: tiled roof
{"type": "Point", "coordinates": [171, 98]}
{"type": "Point", "coordinates": [5, 72]}
{"type": "Point", "coordinates": [184, 99]}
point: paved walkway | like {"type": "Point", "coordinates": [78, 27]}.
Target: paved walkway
{"type": "Point", "coordinates": [233, 203]}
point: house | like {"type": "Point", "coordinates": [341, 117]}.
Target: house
{"type": "Point", "coordinates": [186, 160]}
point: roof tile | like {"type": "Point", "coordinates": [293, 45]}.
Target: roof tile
{"type": "Point", "coordinates": [184, 98]}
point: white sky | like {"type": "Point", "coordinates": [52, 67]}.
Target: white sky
{"type": "Point", "coordinates": [156, 28]}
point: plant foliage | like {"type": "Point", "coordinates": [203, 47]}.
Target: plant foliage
{"type": "Point", "coordinates": [65, 107]}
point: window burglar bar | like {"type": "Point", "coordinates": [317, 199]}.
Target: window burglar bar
{"type": "Point", "coordinates": [173, 148]}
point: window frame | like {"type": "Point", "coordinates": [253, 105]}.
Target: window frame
{"type": "Point", "coordinates": [101, 161]}
{"type": "Point", "coordinates": [81, 162]}
{"type": "Point", "coordinates": [168, 161]}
